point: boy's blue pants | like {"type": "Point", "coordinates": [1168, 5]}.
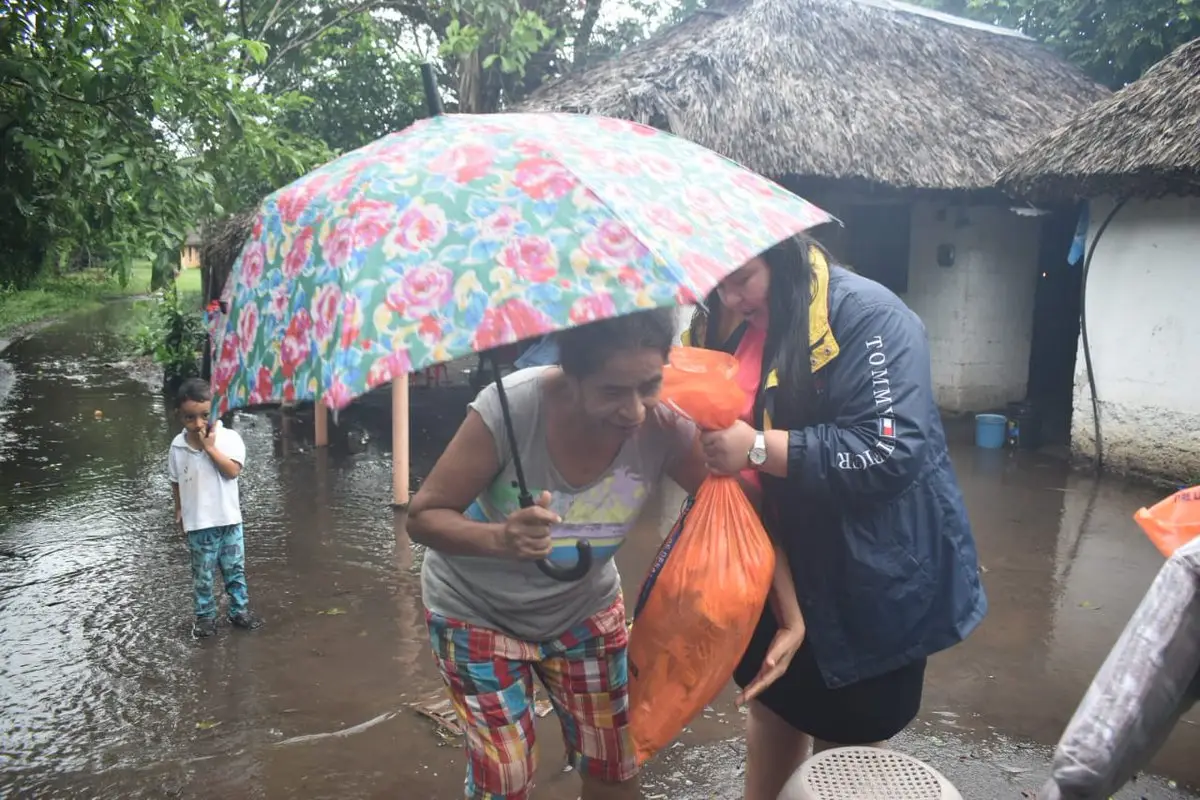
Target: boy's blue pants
{"type": "Point", "coordinates": [213, 547]}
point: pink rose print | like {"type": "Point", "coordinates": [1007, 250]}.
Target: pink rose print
{"type": "Point", "coordinates": [296, 198]}
{"type": "Point", "coordinates": [754, 184]}
{"type": "Point", "coordinates": [279, 302]}
{"type": "Point", "coordinates": [325, 306]}
{"type": "Point", "coordinates": [390, 367]}
{"type": "Point", "coordinates": [621, 126]}
{"type": "Point", "coordinates": [338, 395]}
{"type": "Point", "coordinates": [703, 201]}
{"type": "Point", "coordinates": [430, 330]}
{"type": "Point", "coordinates": [630, 278]}
{"type": "Point", "coordinates": [338, 243]}
{"type": "Point", "coordinates": [227, 361]}
{"type": "Point", "coordinates": [264, 387]}
{"type": "Point", "coordinates": [543, 179]}
{"type": "Point", "coordinates": [465, 163]}
{"type": "Point", "coordinates": [612, 244]}
{"type": "Point", "coordinates": [296, 345]}
{"type": "Point", "coordinates": [372, 220]}
{"type": "Point", "coordinates": [254, 260]}
{"type": "Point", "coordinates": [352, 319]}
{"type": "Point", "coordinates": [256, 231]}
{"type": "Point", "coordinates": [289, 392]}
{"type": "Point", "coordinates": [419, 228]}
{"type": "Point", "coordinates": [421, 291]}
{"type": "Point", "coordinates": [777, 224]}
{"type": "Point", "coordinates": [593, 308]}
{"type": "Point", "coordinates": [500, 225]}
{"type": "Point", "coordinates": [247, 326]}
{"type": "Point", "coordinates": [533, 258]}
{"type": "Point", "coordinates": [297, 258]}
{"type": "Point", "coordinates": [669, 219]}
{"type": "Point", "coordinates": [512, 321]}
{"type": "Point", "coordinates": [661, 167]}
{"type": "Point", "coordinates": [704, 270]}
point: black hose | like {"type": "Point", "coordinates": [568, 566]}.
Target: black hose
{"type": "Point", "coordinates": [1087, 349]}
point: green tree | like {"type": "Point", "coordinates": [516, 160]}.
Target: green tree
{"type": "Point", "coordinates": [1114, 41]}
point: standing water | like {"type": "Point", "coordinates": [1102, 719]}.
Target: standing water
{"type": "Point", "coordinates": [103, 693]}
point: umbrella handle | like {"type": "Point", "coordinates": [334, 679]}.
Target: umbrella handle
{"type": "Point", "coordinates": [582, 547]}
{"type": "Point", "coordinates": [573, 573]}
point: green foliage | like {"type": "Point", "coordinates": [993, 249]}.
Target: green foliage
{"type": "Point", "coordinates": [175, 337]}
{"type": "Point", "coordinates": [1114, 41]}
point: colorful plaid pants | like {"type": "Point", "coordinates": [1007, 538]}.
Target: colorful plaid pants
{"type": "Point", "coordinates": [490, 680]}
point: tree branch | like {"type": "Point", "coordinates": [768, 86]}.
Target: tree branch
{"type": "Point", "coordinates": [305, 39]}
{"type": "Point", "coordinates": [583, 37]}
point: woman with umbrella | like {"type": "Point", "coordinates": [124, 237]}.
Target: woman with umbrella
{"type": "Point", "coordinates": [859, 490]}
{"type": "Point", "coordinates": [594, 444]}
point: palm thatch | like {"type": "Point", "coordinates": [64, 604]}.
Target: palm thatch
{"type": "Point", "coordinates": [223, 242]}
{"type": "Point", "coordinates": [1143, 140]}
{"type": "Point", "coordinates": [873, 90]}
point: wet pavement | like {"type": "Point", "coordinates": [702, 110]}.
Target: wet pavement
{"type": "Point", "coordinates": [104, 694]}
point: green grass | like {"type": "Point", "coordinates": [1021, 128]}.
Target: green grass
{"type": "Point", "coordinates": [58, 296]}
{"type": "Point", "coordinates": [189, 286]}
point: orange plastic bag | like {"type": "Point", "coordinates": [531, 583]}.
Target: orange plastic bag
{"type": "Point", "coordinates": [1173, 522]}
{"type": "Point", "coordinates": [698, 607]}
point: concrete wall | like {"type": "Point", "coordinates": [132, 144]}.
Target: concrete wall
{"type": "Point", "coordinates": [979, 311]}
{"type": "Point", "coordinates": [1143, 313]}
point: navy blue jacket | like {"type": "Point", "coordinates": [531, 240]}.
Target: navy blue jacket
{"type": "Point", "coordinates": [871, 515]}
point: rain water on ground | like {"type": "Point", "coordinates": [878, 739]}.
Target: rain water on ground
{"type": "Point", "coordinates": [103, 693]}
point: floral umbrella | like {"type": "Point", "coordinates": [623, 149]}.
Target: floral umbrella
{"type": "Point", "coordinates": [464, 233]}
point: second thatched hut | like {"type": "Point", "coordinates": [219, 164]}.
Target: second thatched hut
{"type": "Point", "coordinates": [1135, 159]}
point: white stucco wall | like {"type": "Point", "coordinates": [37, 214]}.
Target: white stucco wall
{"type": "Point", "coordinates": [979, 312]}
{"type": "Point", "coordinates": [1143, 313]}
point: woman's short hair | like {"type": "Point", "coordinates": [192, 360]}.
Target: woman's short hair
{"type": "Point", "coordinates": [584, 350]}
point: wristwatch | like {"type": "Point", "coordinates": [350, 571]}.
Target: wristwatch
{"type": "Point", "coordinates": [758, 453]}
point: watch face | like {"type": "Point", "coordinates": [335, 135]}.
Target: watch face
{"type": "Point", "coordinates": [758, 453]}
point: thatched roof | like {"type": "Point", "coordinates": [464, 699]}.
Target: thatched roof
{"type": "Point", "coordinates": [223, 243]}
{"type": "Point", "coordinates": [1145, 140]}
{"type": "Point", "coordinates": [874, 90]}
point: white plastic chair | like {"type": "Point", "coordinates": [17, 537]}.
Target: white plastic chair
{"type": "Point", "coordinates": [867, 773]}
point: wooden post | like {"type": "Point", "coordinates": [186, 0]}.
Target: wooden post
{"type": "Point", "coordinates": [400, 441]}
{"type": "Point", "coordinates": [320, 424]}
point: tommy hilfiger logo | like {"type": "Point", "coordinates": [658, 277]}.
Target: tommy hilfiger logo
{"type": "Point", "coordinates": [887, 428]}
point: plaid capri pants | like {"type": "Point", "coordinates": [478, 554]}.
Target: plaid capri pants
{"type": "Point", "coordinates": [490, 680]}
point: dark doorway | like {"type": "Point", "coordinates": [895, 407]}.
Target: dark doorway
{"type": "Point", "coordinates": [1055, 328]}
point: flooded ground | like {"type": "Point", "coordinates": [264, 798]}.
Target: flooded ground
{"type": "Point", "coordinates": [104, 694]}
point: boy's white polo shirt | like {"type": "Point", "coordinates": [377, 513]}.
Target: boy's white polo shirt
{"type": "Point", "coordinates": [207, 498]}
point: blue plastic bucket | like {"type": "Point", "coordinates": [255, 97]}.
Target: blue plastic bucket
{"type": "Point", "coordinates": [990, 430]}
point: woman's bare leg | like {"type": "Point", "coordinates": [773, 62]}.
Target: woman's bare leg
{"type": "Point", "coordinates": [774, 750]}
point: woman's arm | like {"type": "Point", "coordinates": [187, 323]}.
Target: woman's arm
{"type": "Point", "coordinates": [435, 515]}
{"type": "Point", "coordinates": [465, 470]}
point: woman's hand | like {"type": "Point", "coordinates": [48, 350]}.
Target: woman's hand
{"type": "Point", "coordinates": [727, 452]}
{"type": "Point", "coordinates": [787, 641]}
{"type": "Point", "coordinates": [527, 531]}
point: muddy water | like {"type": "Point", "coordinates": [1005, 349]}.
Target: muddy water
{"type": "Point", "coordinates": [103, 693]}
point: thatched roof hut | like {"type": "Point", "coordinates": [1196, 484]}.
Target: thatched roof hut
{"type": "Point", "coordinates": [1143, 140]}
{"type": "Point", "coordinates": [874, 90]}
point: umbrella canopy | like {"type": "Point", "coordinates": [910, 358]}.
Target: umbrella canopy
{"type": "Point", "coordinates": [463, 233]}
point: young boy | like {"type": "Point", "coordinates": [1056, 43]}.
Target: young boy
{"type": "Point", "coordinates": [204, 465]}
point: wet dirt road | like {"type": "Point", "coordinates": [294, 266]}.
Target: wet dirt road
{"type": "Point", "coordinates": [103, 693]}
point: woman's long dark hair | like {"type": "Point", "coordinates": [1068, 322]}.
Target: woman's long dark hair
{"type": "Point", "coordinates": [788, 348]}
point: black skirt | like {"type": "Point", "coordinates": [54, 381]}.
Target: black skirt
{"type": "Point", "coordinates": [872, 710]}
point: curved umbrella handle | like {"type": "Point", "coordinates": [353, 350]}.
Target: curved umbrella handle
{"type": "Point", "coordinates": [572, 573]}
